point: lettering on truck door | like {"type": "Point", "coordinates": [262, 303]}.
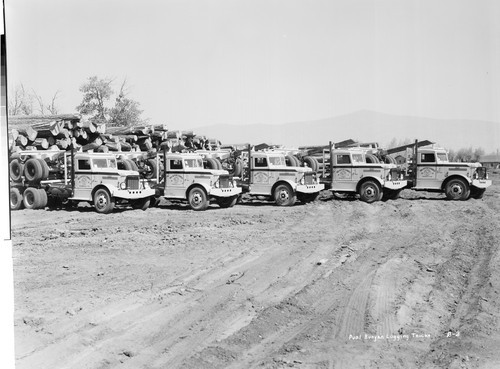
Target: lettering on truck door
{"type": "Point", "coordinates": [175, 179]}
{"type": "Point", "coordinates": [342, 172]}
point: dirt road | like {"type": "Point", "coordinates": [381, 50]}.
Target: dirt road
{"type": "Point", "coordinates": [410, 283]}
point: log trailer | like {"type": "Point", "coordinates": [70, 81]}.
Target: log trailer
{"type": "Point", "coordinates": [428, 169]}
{"type": "Point", "coordinates": [41, 178]}
{"type": "Point", "coordinates": [183, 176]}
{"type": "Point", "coordinates": [356, 171]}
{"type": "Point", "coordinates": [266, 174]}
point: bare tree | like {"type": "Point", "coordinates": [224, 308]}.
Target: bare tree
{"type": "Point", "coordinates": [20, 101]}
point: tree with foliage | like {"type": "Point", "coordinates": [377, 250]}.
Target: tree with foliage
{"type": "Point", "coordinates": [96, 92]}
{"type": "Point", "coordinates": [126, 111]}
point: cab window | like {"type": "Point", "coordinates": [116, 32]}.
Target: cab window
{"type": "Point", "coordinates": [83, 164]}
{"type": "Point", "coordinates": [175, 164]}
{"type": "Point", "coordinates": [343, 159]}
{"type": "Point", "coordinates": [427, 158]}
{"type": "Point", "coordinates": [357, 158]}
{"type": "Point", "coordinates": [100, 163]}
{"type": "Point", "coordinates": [260, 162]}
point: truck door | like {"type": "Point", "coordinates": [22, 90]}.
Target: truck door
{"type": "Point", "coordinates": [261, 179]}
{"type": "Point", "coordinates": [342, 172]}
{"type": "Point", "coordinates": [175, 188]}
{"type": "Point", "coordinates": [83, 179]}
{"type": "Point", "coordinates": [427, 171]}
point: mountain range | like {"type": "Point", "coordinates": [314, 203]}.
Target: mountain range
{"type": "Point", "coordinates": [363, 126]}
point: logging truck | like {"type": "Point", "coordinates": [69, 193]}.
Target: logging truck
{"type": "Point", "coordinates": [266, 174]}
{"type": "Point", "coordinates": [183, 176]}
{"type": "Point", "coordinates": [356, 171]}
{"type": "Point", "coordinates": [428, 169]}
{"type": "Point", "coordinates": [41, 178]}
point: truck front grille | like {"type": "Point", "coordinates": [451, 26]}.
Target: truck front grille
{"type": "Point", "coordinates": [224, 182]}
{"type": "Point", "coordinates": [309, 178]}
{"type": "Point", "coordinates": [132, 182]}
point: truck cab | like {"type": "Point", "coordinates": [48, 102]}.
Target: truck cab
{"type": "Point", "coordinates": [267, 174]}
{"type": "Point", "coordinates": [184, 178]}
{"type": "Point", "coordinates": [96, 178]}
{"type": "Point", "coordinates": [430, 170]}
{"type": "Point", "coordinates": [350, 173]}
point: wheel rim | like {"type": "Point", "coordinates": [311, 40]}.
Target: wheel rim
{"type": "Point", "coordinates": [457, 190]}
{"type": "Point", "coordinates": [13, 199]}
{"type": "Point", "coordinates": [101, 201]}
{"type": "Point", "coordinates": [283, 195]}
{"type": "Point", "coordinates": [30, 198]}
{"type": "Point", "coordinates": [370, 192]}
{"type": "Point", "coordinates": [196, 199]}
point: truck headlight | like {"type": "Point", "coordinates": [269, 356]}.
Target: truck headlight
{"type": "Point", "coordinates": [123, 186]}
{"type": "Point", "coordinates": [302, 181]}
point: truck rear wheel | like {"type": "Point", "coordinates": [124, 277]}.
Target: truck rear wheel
{"type": "Point", "coordinates": [33, 170]}
{"type": "Point", "coordinates": [284, 195]}
{"type": "Point", "coordinates": [16, 169]}
{"type": "Point", "coordinates": [16, 199]}
{"type": "Point", "coordinates": [457, 189]}
{"type": "Point", "coordinates": [197, 199]}
{"type": "Point", "coordinates": [32, 198]}
{"type": "Point", "coordinates": [369, 192]}
{"type": "Point", "coordinates": [43, 198]}
{"type": "Point", "coordinates": [103, 202]}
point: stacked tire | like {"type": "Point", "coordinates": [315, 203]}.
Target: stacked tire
{"type": "Point", "coordinates": [32, 171]}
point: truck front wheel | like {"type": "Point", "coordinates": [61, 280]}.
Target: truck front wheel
{"type": "Point", "coordinates": [369, 192]}
{"type": "Point", "coordinates": [198, 199]}
{"type": "Point", "coordinates": [457, 189]}
{"type": "Point", "coordinates": [103, 201]}
{"type": "Point", "coordinates": [284, 195]}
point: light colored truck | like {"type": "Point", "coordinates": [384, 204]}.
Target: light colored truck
{"type": "Point", "coordinates": [428, 169]}
{"type": "Point", "coordinates": [349, 173]}
{"type": "Point", "coordinates": [266, 174]}
{"type": "Point", "coordinates": [41, 178]}
{"type": "Point", "coordinates": [182, 176]}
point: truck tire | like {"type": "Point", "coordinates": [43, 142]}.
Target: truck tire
{"type": "Point", "coordinates": [33, 170]}
{"type": "Point", "coordinates": [151, 168]}
{"type": "Point", "coordinates": [237, 168]}
{"type": "Point", "coordinates": [369, 191]}
{"type": "Point", "coordinates": [43, 198]}
{"type": "Point", "coordinates": [103, 201]}
{"type": "Point", "coordinates": [457, 189]}
{"type": "Point", "coordinates": [311, 162]}
{"type": "Point", "coordinates": [45, 168]}
{"type": "Point", "coordinates": [290, 161]}
{"type": "Point", "coordinates": [16, 169]}
{"type": "Point", "coordinates": [370, 158]}
{"type": "Point", "coordinates": [389, 160]}
{"type": "Point", "coordinates": [307, 197]}
{"type": "Point", "coordinates": [284, 195]}
{"type": "Point", "coordinates": [197, 199]}
{"type": "Point", "coordinates": [16, 199]}
{"type": "Point", "coordinates": [212, 163]}
{"type": "Point", "coordinates": [227, 202]}
{"type": "Point", "coordinates": [32, 198]}
{"type": "Point", "coordinates": [141, 204]}
{"type": "Point", "coordinates": [477, 193]}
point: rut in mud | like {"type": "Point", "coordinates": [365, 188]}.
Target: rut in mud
{"type": "Point", "coordinates": [332, 284]}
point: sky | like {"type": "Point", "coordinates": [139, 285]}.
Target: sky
{"type": "Point", "coordinates": [192, 63]}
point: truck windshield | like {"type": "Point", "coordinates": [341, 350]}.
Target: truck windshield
{"type": "Point", "coordinates": [277, 160]}
{"type": "Point", "coordinates": [193, 163]}
{"type": "Point", "coordinates": [442, 156]}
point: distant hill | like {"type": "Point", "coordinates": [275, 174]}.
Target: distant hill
{"type": "Point", "coordinates": [366, 126]}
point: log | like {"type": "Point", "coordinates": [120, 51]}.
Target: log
{"type": "Point", "coordinates": [21, 140]}
{"type": "Point", "coordinates": [51, 140]}
{"type": "Point", "coordinates": [63, 143]}
{"type": "Point", "coordinates": [29, 132]}
{"type": "Point", "coordinates": [91, 146]}
{"type": "Point", "coordinates": [125, 146]}
{"type": "Point", "coordinates": [15, 134]}
{"type": "Point", "coordinates": [159, 127]}
{"type": "Point", "coordinates": [41, 143]}
{"type": "Point", "coordinates": [113, 146]}
{"type": "Point", "coordinates": [89, 127]}
{"type": "Point", "coordinates": [102, 148]}
{"type": "Point", "coordinates": [174, 135]}
{"type": "Point", "coordinates": [145, 144]}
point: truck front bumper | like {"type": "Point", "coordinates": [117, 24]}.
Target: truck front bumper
{"type": "Point", "coordinates": [395, 185]}
{"type": "Point", "coordinates": [133, 194]}
{"type": "Point", "coordinates": [225, 192]}
{"type": "Point", "coordinates": [481, 183]}
{"type": "Point", "coordinates": [313, 188]}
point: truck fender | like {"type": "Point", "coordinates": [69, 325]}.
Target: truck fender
{"type": "Point", "coordinates": [202, 185]}
{"type": "Point", "coordinates": [364, 179]}
{"type": "Point", "coordinates": [447, 179]}
{"type": "Point", "coordinates": [111, 189]}
{"type": "Point", "coordinates": [291, 183]}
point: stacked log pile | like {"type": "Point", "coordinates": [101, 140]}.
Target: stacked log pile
{"type": "Point", "coordinates": [57, 132]}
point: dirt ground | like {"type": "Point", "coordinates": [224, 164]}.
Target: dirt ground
{"type": "Point", "coordinates": [410, 283]}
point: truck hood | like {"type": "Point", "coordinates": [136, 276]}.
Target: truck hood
{"type": "Point", "coordinates": [125, 173]}
{"type": "Point", "coordinates": [470, 165]}
{"type": "Point", "coordinates": [297, 169]}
